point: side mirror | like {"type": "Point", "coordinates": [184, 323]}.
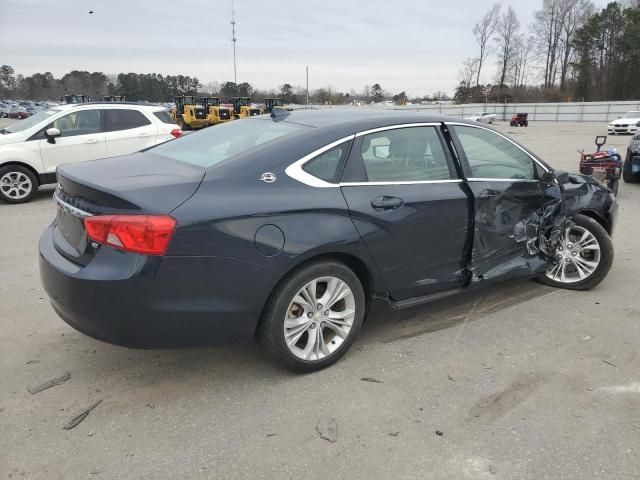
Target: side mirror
{"type": "Point", "coordinates": [548, 178]}
{"type": "Point", "coordinates": [52, 134]}
{"type": "Point", "coordinates": [381, 151]}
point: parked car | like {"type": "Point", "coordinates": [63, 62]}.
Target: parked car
{"type": "Point", "coordinates": [631, 168]}
{"type": "Point", "coordinates": [31, 150]}
{"type": "Point", "coordinates": [292, 227]}
{"type": "Point", "coordinates": [483, 117]}
{"type": "Point", "coordinates": [18, 114]}
{"type": "Point", "coordinates": [628, 123]}
{"type": "Point", "coordinates": [4, 111]}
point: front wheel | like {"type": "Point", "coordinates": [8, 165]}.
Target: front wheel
{"type": "Point", "coordinates": [583, 257]}
{"type": "Point", "coordinates": [17, 184]}
{"type": "Point", "coordinates": [312, 318]}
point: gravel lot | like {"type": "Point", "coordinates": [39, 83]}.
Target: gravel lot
{"type": "Point", "coordinates": [522, 381]}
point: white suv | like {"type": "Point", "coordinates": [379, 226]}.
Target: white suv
{"type": "Point", "coordinates": [32, 149]}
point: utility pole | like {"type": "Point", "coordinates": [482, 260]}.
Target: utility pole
{"type": "Point", "coordinates": [233, 40]}
{"type": "Point", "coordinates": [307, 85]}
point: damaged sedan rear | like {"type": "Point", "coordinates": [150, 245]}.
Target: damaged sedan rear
{"type": "Point", "coordinates": [290, 226]}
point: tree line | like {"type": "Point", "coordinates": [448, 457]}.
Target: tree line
{"type": "Point", "coordinates": [570, 52]}
{"type": "Point", "coordinates": [155, 87]}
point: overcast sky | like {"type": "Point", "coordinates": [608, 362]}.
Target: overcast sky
{"type": "Point", "coordinates": [417, 46]}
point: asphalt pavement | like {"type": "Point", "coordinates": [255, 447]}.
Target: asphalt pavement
{"type": "Point", "coordinates": [519, 381]}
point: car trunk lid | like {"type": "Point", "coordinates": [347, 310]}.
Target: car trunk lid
{"type": "Point", "coordinates": [142, 183]}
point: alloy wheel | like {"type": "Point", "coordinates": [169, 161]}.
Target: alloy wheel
{"type": "Point", "coordinates": [15, 185]}
{"type": "Point", "coordinates": [319, 318]}
{"type": "Point", "coordinates": [577, 254]}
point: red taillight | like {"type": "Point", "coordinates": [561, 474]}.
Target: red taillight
{"type": "Point", "coordinates": [148, 234]}
{"type": "Point", "coordinates": [176, 133]}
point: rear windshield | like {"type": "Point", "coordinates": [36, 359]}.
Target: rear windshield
{"type": "Point", "coordinates": [164, 117]}
{"type": "Point", "coordinates": [215, 144]}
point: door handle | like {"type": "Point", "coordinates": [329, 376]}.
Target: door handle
{"type": "Point", "coordinates": [91, 140]}
{"type": "Point", "coordinates": [386, 203]}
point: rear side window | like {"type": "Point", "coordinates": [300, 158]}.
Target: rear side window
{"type": "Point", "coordinates": [325, 165]}
{"type": "Point", "coordinates": [124, 119]}
{"type": "Point", "coordinates": [164, 117]}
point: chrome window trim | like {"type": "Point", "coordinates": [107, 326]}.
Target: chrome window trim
{"type": "Point", "coordinates": [395, 127]}
{"type": "Point", "coordinates": [70, 208]}
{"type": "Point", "coordinates": [537, 162]}
{"type": "Point", "coordinates": [510, 180]}
{"type": "Point", "coordinates": [296, 171]}
{"type": "Point", "coordinates": [408, 182]}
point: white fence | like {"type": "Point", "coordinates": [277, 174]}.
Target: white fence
{"type": "Point", "coordinates": [554, 112]}
{"type": "Point", "coordinates": [551, 112]}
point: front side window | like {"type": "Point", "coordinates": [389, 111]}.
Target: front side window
{"type": "Point", "coordinates": [404, 155]}
{"type": "Point", "coordinates": [82, 122]}
{"type": "Point", "coordinates": [124, 119]}
{"type": "Point", "coordinates": [490, 155]}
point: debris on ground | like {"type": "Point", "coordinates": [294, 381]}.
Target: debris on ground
{"type": "Point", "coordinates": [393, 434]}
{"type": "Point", "coordinates": [51, 383]}
{"type": "Point", "coordinates": [268, 435]}
{"type": "Point", "coordinates": [31, 362]}
{"type": "Point", "coordinates": [586, 337]}
{"type": "Point", "coordinates": [75, 421]}
{"type": "Point", "coordinates": [439, 433]}
{"type": "Point", "coordinates": [371, 380]}
{"type": "Point", "coordinates": [609, 363]}
{"type": "Point", "coordinates": [150, 405]}
{"type": "Point", "coordinates": [492, 469]}
{"type": "Point", "coordinates": [450, 377]}
{"type": "Point", "coordinates": [328, 429]}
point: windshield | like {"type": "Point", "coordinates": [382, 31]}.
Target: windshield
{"type": "Point", "coordinates": [631, 115]}
{"type": "Point", "coordinates": [215, 144]}
{"type": "Point", "coordinates": [31, 121]}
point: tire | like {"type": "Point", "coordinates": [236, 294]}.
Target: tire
{"type": "Point", "coordinates": [281, 305]}
{"type": "Point", "coordinates": [513, 124]}
{"type": "Point", "coordinates": [627, 173]}
{"type": "Point", "coordinates": [17, 184]}
{"type": "Point", "coordinates": [526, 124]}
{"type": "Point", "coordinates": [604, 260]}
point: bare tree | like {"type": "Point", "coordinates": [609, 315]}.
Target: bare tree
{"type": "Point", "coordinates": [520, 70]}
{"type": "Point", "coordinates": [483, 31]}
{"type": "Point", "coordinates": [507, 30]}
{"type": "Point", "coordinates": [468, 71]}
{"type": "Point", "coordinates": [577, 14]}
{"type": "Point", "coordinates": [548, 29]}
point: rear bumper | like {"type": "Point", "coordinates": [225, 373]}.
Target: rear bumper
{"type": "Point", "coordinates": [148, 302]}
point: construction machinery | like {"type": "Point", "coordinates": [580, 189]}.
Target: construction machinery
{"type": "Point", "coordinates": [77, 98]}
{"type": "Point", "coordinates": [114, 98]}
{"type": "Point", "coordinates": [189, 114]}
{"type": "Point", "coordinates": [242, 108]}
{"type": "Point", "coordinates": [216, 112]}
{"type": "Point", "coordinates": [271, 103]}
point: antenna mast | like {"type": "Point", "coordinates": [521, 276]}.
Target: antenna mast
{"type": "Point", "coordinates": [233, 40]}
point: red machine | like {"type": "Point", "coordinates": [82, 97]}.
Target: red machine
{"type": "Point", "coordinates": [605, 166]}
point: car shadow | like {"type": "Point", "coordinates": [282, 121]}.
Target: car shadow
{"type": "Point", "coordinates": [244, 362]}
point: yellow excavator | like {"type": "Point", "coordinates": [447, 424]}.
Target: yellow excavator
{"type": "Point", "coordinates": [216, 112]}
{"type": "Point", "coordinates": [242, 108]}
{"type": "Point", "coordinates": [271, 103]}
{"type": "Point", "coordinates": [189, 114]}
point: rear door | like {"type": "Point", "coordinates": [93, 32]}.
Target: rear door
{"type": "Point", "coordinates": [81, 138]}
{"type": "Point", "coordinates": [512, 199]}
{"type": "Point", "coordinates": [410, 208]}
{"type": "Point", "coordinates": [127, 131]}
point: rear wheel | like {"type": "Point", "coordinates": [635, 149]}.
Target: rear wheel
{"type": "Point", "coordinates": [584, 256]}
{"type": "Point", "coordinates": [17, 184]}
{"type": "Point", "coordinates": [312, 319]}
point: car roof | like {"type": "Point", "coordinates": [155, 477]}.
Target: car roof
{"type": "Point", "coordinates": [359, 119]}
{"type": "Point", "coordinates": [69, 106]}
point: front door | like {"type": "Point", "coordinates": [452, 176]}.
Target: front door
{"type": "Point", "coordinates": [81, 138]}
{"type": "Point", "coordinates": [512, 203]}
{"type": "Point", "coordinates": [410, 209]}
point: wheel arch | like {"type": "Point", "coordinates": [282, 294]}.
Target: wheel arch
{"type": "Point", "coordinates": [24, 165]}
{"type": "Point", "coordinates": [598, 218]}
{"type": "Point", "coordinates": [357, 265]}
